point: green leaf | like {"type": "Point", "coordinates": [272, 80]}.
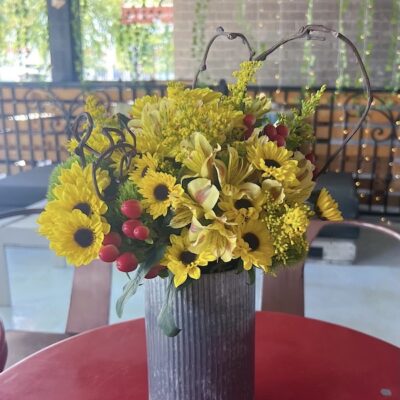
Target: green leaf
{"type": "Point", "coordinates": [252, 276]}
{"type": "Point", "coordinates": [131, 287]}
{"type": "Point", "coordinates": [165, 319]}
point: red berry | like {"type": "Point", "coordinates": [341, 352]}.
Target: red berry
{"type": "Point", "coordinates": [248, 133]}
{"type": "Point", "coordinates": [127, 262]}
{"type": "Point", "coordinates": [280, 141]}
{"type": "Point", "coordinates": [141, 232]}
{"type": "Point", "coordinates": [112, 238]}
{"type": "Point", "coordinates": [129, 226]}
{"type": "Point", "coordinates": [282, 130]}
{"type": "Point", "coordinates": [131, 208]}
{"type": "Point", "coordinates": [249, 120]}
{"type": "Point", "coordinates": [154, 271]}
{"type": "Point", "coordinates": [270, 131]}
{"type": "Point", "coordinates": [310, 157]}
{"type": "Point", "coordinates": [108, 253]}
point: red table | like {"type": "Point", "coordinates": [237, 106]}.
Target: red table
{"type": "Point", "coordinates": [296, 358]}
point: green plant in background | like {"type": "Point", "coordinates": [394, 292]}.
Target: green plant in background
{"type": "Point", "coordinates": [307, 67]}
{"type": "Point", "coordinates": [365, 27]}
{"type": "Point", "coordinates": [198, 30]}
{"type": "Point", "coordinates": [393, 61]}
{"type": "Point", "coordinates": [343, 78]}
{"type": "Point", "coordinates": [137, 46]}
{"type": "Point", "coordinates": [24, 32]}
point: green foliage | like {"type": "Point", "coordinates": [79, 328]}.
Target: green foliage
{"type": "Point", "coordinates": [198, 29]}
{"type": "Point", "coordinates": [165, 319]}
{"type": "Point", "coordinates": [131, 287]}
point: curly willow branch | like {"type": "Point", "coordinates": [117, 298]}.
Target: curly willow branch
{"type": "Point", "coordinates": [82, 131]}
{"type": "Point", "coordinates": [305, 32]}
{"type": "Point", "coordinates": [230, 36]}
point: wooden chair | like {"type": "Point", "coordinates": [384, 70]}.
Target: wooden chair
{"type": "Point", "coordinates": [89, 308]}
{"type": "Point", "coordinates": [285, 292]}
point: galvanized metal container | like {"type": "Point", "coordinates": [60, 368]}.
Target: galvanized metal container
{"type": "Point", "coordinates": [212, 358]}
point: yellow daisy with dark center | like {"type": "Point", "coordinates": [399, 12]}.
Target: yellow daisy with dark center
{"type": "Point", "coordinates": [254, 245]}
{"type": "Point", "coordinates": [143, 165]}
{"type": "Point", "coordinates": [182, 262]}
{"type": "Point", "coordinates": [157, 189]}
{"type": "Point", "coordinates": [274, 161]}
{"type": "Point", "coordinates": [327, 208]}
{"type": "Point", "coordinates": [75, 236]}
{"type": "Point", "coordinates": [240, 203]}
{"type": "Point", "coordinates": [70, 197]}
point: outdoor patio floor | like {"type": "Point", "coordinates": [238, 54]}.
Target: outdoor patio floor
{"type": "Point", "coordinates": [364, 296]}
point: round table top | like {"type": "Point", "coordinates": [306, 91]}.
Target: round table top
{"type": "Point", "coordinates": [296, 358]}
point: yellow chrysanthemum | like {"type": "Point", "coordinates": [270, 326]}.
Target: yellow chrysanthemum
{"type": "Point", "coordinates": [240, 203]}
{"type": "Point", "coordinates": [156, 188]}
{"type": "Point", "coordinates": [327, 208]}
{"type": "Point", "coordinates": [254, 245]}
{"type": "Point", "coordinates": [182, 262]}
{"type": "Point", "coordinates": [143, 164]}
{"type": "Point", "coordinates": [82, 177]}
{"type": "Point", "coordinates": [74, 236]}
{"type": "Point", "coordinates": [274, 161]}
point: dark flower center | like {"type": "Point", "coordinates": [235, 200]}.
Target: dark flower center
{"type": "Point", "coordinates": [188, 257]}
{"type": "Point", "coordinates": [272, 163]}
{"type": "Point", "coordinates": [144, 171]}
{"type": "Point", "coordinates": [243, 203]}
{"type": "Point", "coordinates": [84, 237]}
{"type": "Point", "coordinates": [252, 240]}
{"type": "Point", "coordinates": [84, 207]}
{"type": "Point", "coordinates": [161, 192]}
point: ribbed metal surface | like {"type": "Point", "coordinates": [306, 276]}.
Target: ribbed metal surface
{"type": "Point", "coordinates": [212, 358]}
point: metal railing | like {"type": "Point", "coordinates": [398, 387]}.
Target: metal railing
{"type": "Point", "coordinates": [35, 123]}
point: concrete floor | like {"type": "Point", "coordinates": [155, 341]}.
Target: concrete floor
{"type": "Point", "coordinates": [364, 296]}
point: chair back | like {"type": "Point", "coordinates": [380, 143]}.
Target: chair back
{"type": "Point", "coordinates": [3, 347]}
{"type": "Point", "coordinates": [285, 292]}
{"type": "Point", "coordinates": [90, 297]}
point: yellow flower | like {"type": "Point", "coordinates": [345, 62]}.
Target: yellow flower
{"type": "Point", "coordinates": [237, 170]}
{"type": "Point", "coordinates": [243, 202]}
{"type": "Point", "coordinates": [287, 227]}
{"type": "Point", "coordinates": [71, 197]}
{"type": "Point", "coordinates": [274, 190]}
{"type": "Point", "coordinates": [74, 235]}
{"type": "Point", "coordinates": [300, 190]}
{"type": "Point", "coordinates": [82, 177]}
{"type": "Point", "coordinates": [157, 189]}
{"type": "Point", "coordinates": [274, 161]}
{"type": "Point", "coordinates": [201, 156]}
{"type": "Point", "coordinates": [254, 245]}
{"type": "Point", "coordinates": [215, 237]}
{"type": "Point", "coordinates": [143, 164]}
{"type": "Point", "coordinates": [327, 208]}
{"type": "Point", "coordinates": [182, 262]}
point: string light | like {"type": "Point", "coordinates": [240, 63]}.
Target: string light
{"type": "Point", "coordinates": [358, 183]}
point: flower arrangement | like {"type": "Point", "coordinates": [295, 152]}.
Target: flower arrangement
{"type": "Point", "coordinates": [192, 183]}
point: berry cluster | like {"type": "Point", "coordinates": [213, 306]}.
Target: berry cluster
{"type": "Point", "coordinates": [276, 134]}
{"type": "Point", "coordinates": [133, 229]}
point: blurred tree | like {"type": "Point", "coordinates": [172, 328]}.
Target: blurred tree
{"type": "Point", "coordinates": [24, 34]}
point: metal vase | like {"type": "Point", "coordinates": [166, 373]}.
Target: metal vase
{"type": "Point", "coordinates": [212, 358]}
